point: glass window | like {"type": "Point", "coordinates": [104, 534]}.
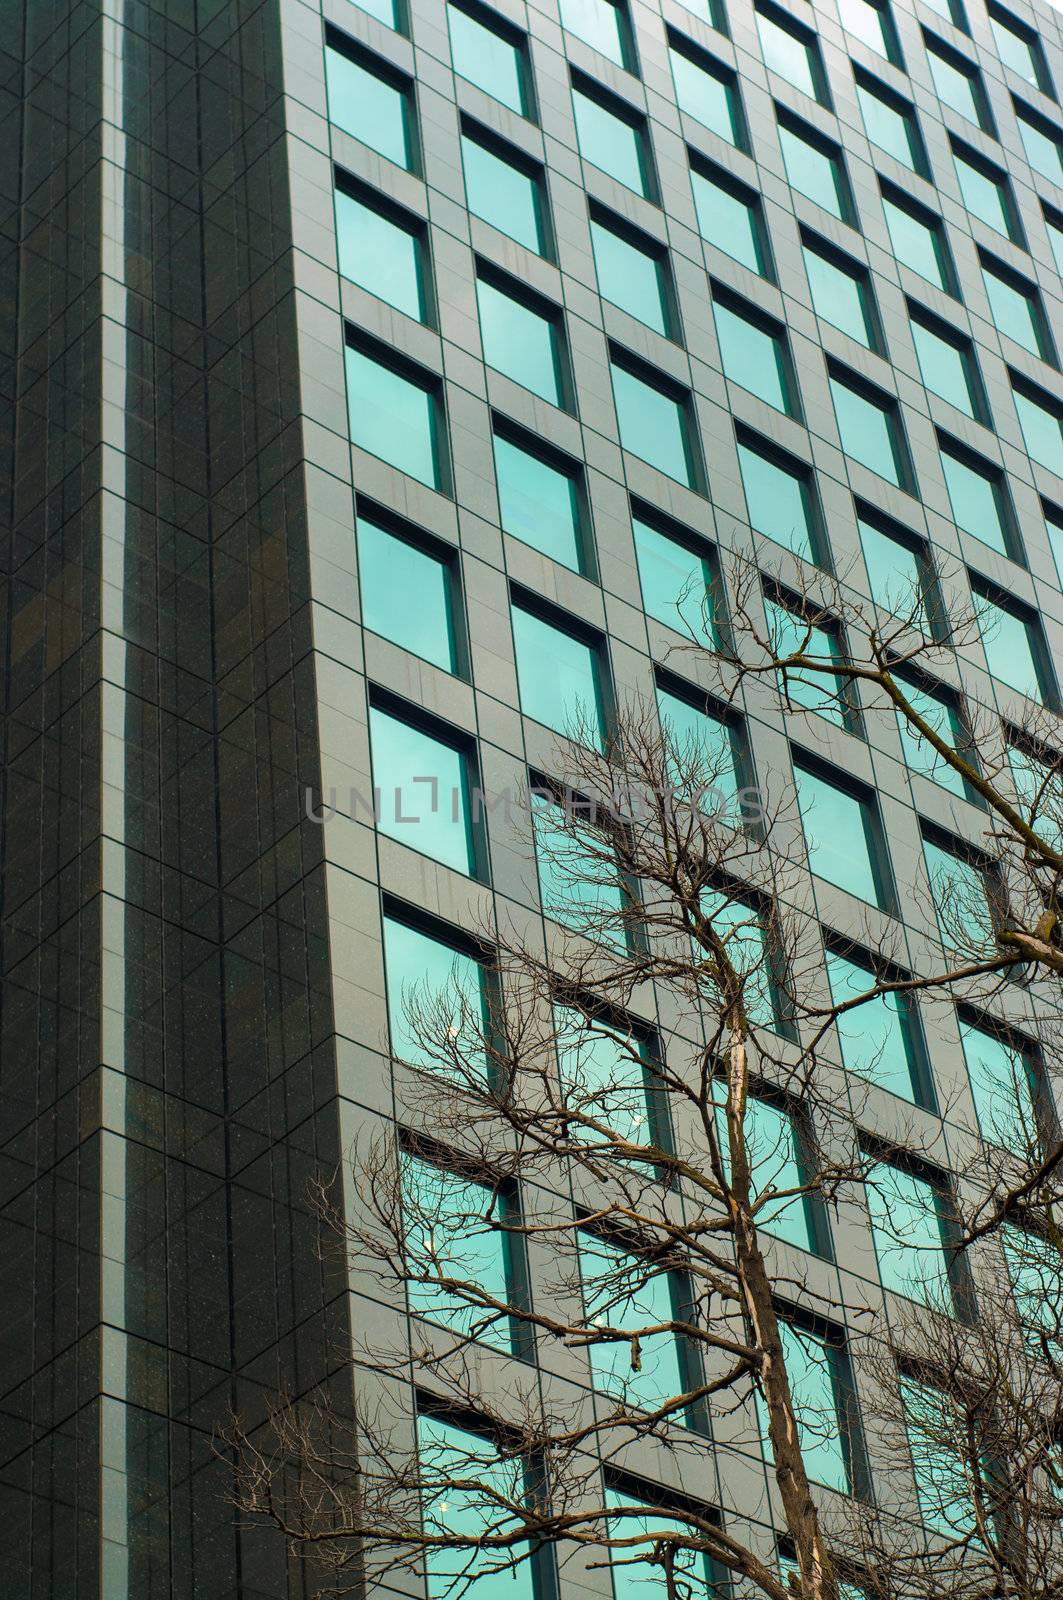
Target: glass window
{"type": "Point", "coordinates": [1043, 144]}
{"type": "Point", "coordinates": [382, 253]}
{"type": "Point", "coordinates": [575, 886]}
{"type": "Point", "coordinates": [521, 342]}
{"type": "Point", "coordinates": [741, 927]}
{"type": "Point", "coordinates": [958, 85]}
{"type": "Point", "coordinates": [424, 782]}
{"type": "Point", "coordinates": [455, 1229]}
{"type": "Point", "coordinates": [870, 431]}
{"type": "Point", "coordinates": [815, 168]}
{"type": "Point", "coordinates": [1037, 778]}
{"type": "Point", "coordinates": [986, 193]}
{"type": "Point", "coordinates": [395, 417]}
{"type": "Point", "coordinates": [792, 53]}
{"type": "Point", "coordinates": [616, 143]}
{"type": "Point", "coordinates": [941, 714]}
{"type": "Point", "coordinates": [559, 677]}
{"type": "Point", "coordinates": [843, 838]}
{"type": "Point", "coordinates": [729, 217]}
{"type": "Point", "coordinates": [632, 272]}
{"type": "Point", "coordinates": [1019, 48]}
{"type": "Point", "coordinates": [755, 357]}
{"type": "Point", "coordinates": [386, 11]}
{"type": "Point", "coordinates": [1003, 1081]}
{"type": "Point", "coordinates": [449, 1458]}
{"type": "Point", "coordinates": [891, 122]}
{"type": "Point", "coordinates": [539, 501]}
{"type": "Point", "coordinates": [602, 25]}
{"type": "Point", "coordinates": [877, 1038]}
{"type": "Point", "coordinates": [961, 901]}
{"type": "Point", "coordinates": [947, 364]}
{"type": "Point", "coordinates": [654, 424]}
{"type": "Point", "coordinates": [1054, 228]}
{"type": "Point", "coordinates": [700, 740]}
{"type": "Point", "coordinates": [897, 574]}
{"type": "Point", "coordinates": [773, 1149]}
{"type": "Point", "coordinates": [979, 499]}
{"type": "Point", "coordinates": [907, 1224]}
{"type": "Point", "coordinates": [370, 104]}
{"type": "Point", "coordinates": [407, 594]}
{"type": "Point", "coordinates": [624, 1293]}
{"type": "Point", "coordinates": [779, 501]}
{"type": "Point", "coordinates": [1040, 420]}
{"type": "Point", "coordinates": [841, 294]}
{"type": "Point", "coordinates": [694, 1575]}
{"type": "Point", "coordinates": [951, 10]}
{"type": "Point", "coordinates": [1054, 526]}
{"type": "Point", "coordinates": [507, 195]}
{"type": "Point", "coordinates": [1013, 646]}
{"type": "Point", "coordinates": [816, 1386]}
{"type": "Point", "coordinates": [602, 1077]}
{"type": "Point", "coordinates": [679, 582]}
{"type": "Point", "coordinates": [1033, 1267]}
{"type": "Point", "coordinates": [706, 91]}
{"type": "Point", "coordinates": [428, 982]}
{"type": "Point", "coordinates": [488, 57]}
{"type": "Point", "coordinates": [918, 241]}
{"type": "Point", "coordinates": [873, 25]}
{"type": "Point", "coordinates": [941, 1482]}
{"type": "Point", "coordinates": [1017, 310]}
{"type": "Point", "coordinates": [791, 634]}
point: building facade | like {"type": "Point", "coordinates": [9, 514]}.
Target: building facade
{"type": "Point", "coordinates": [375, 379]}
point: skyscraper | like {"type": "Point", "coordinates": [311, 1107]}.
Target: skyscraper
{"type": "Point", "coordinates": [374, 381]}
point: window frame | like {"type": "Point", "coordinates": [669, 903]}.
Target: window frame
{"type": "Point", "coordinates": [746, 311]}
{"type": "Point", "coordinates": [964, 154]}
{"type": "Point", "coordinates": [572, 627]}
{"type": "Point", "coordinates": [867, 84]}
{"type": "Point", "coordinates": [465, 746]}
{"type": "Point", "coordinates": [679, 44]}
{"type": "Point", "coordinates": [848, 715]}
{"type": "Point", "coordinates": [510, 155]}
{"type": "Point", "coordinates": [448, 937]}
{"type": "Point", "coordinates": [1044, 671]}
{"type": "Point", "coordinates": [879, 861]}
{"type": "Point", "coordinates": [449, 559]}
{"type": "Point", "coordinates": [1025, 113]}
{"type": "Point", "coordinates": [997, 479]}
{"type": "Point", "coordinates": [906, 1006]}
{"type": "Point", "coordinates": [418, 377]}
{"type": "Point", "coordinates": [929, 590]}
{"type": "Point", "coordinates": [888, 404]}
{"type": "Point", "coordinates": [698, 545]}
{"type": "Point", "coordinates": [804, 475]}
{"type": "Point", "coordinates": [408, 222]}
{"type": "Point", "coordinates": [610, 221]}
{"type": "Point", "coordinates": [494, 22]}
{"type": "Point", "coordinates": [933, 224]}
{"type": "Point", "coordinates": [1001, 17]}
{"type": "Point", "coordinates": [621, 110]}
{"type": "Point", "coordinates": [955, 1278]}
{"type": "Point", "coordinates": [993, 267]}
{"type": "Point", "coordinates": [549, 312]}
{"type": "Point", "coordinates": [938, 47]}
{"type": "Point", "coordinates": [891, 44]}
{"type": "Point", "coordinates": [625, 32]}
{"type": "Point", "coordinates": [832, 152]}
{"type": "Point", "coordinates": [720, 178]}
{"type": "Point", "coordinates": [537, 448]}
{"type": "Point", "coordinates": [960, 732]}
{"type": "Point", "coordinates": [807, 38]}
{"type": "Point", "coordinates": [379, 67]}
{"type": "Point", "coordinates": [662, 383]}
{"type": "Point", "coordinates": [815, 244]}
{"type": "Point", "coordinates": [921, 316]}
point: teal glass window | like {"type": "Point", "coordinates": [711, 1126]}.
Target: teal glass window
{"type": "Point", "coordinates": [1019, 48]}
{"type": "Point", "coordinates": [539, 499]}
{"type": "Point", "coordinates": [488, 54]}
{"type": "Point", "coordinates": [1016, 307]}
{"type": "Point", "coordinates": [1043, 143]}
{"type": "Point", "coordinates": [979, 499]}
{"type": "Point", "coordinates": [559, 676]}
{"type": "Point", "coordinates": [575, 886]}
{"type": "Point", "coordinates": [644, 1521]}
{"type": "Point", "coordinates": [602, 25]}
{"type": "Point", "coordinates": [680, 582]}
{"type": "Point", "coordinates": [779, 500]}
{"type": "Point", "coordinates": [1041, 421]}
{"type": "Point", "coordinates": [389, 12]}
{"type": "Point", "coordinates": [450, 1459]}
{"type": "Point", "coordinates": [455, 1229]}
{"type": "Point", "coordinates": [520, 341]}
{"type": "Point", "coordinates": [425, 788]}
{"type": "Point", "coordinates": [505, 192]}
{"type": "Point", "coordinates": [703, 746]}
{"type": "Point", "coordinates": [706, 91]}
{"type": "Point", "coordinates": [878, 1039]}
{"type": "Point", "coordinates": [426, 977]}
{"type": "Point", "coordinates": [368, 100]}
{"type": "Point", "coordinates": [871, 23]}
{"type": "Point", "coordinates": [870, 430]}
{"type": "Point", "coordinates": [986, 192]}
{"type": "Point", "coordinates": [394, 414]}
{"type": "Point", "coordinates": [773, 1147]}
{"type": "Point", "coordinates": [407, 594]}
{"type": "Point", "coordinates": [1013, 645]}
{"type": "Point", "coordinates": [918, 240]}
{"type": "Point", "coordinates": [891, 122]}
{"type": "Point", "coordinates": [951, 10]}
{"type": "Point", "coordinates": [753, 354]}
{"type": "Point", "coordinates": [1054, 229]}
{"type": "Point", "coordinates": [813, 1366]}
{"type": "Point", "coordinates": [910, 1233]}
{"type": "Point", "coordinates": [382, 250]}
{"type": "Point", "coordinates": [815, 168]}
{"type": "Point", "coordinates": [1037, 776]}
{"type": "Point", "coordinates": [947, 363]}
{"type": "Point", "coordinates": [622, 1292]}
{"type": "Point", "coordinates": [1054, 528]}
{"type": "Point", "coordinates": [898, 575]}
{"type": "Point", "coordinates": [1033, 1267]}
{"type": "Point", "coordinates": [943, 1489]}
{"type": "Point", "coordinates": [958, 85]}
{"type": "Point", "coordinates": [960, 891]}
{"type": "Point", "coordinates": [942, 714]}
{"type": "Point", "coordinates": [614, 140]}
{"type": "Point", "coordinates": [730, 218]}
{"type": "Point", "coordinates": [841, 292]}
{"type": "Point", "coordinates": [1003, 1078]}
{"type": "Point", "coordinates": [602, 1077]}
{"type": "Point", "coordinates": [654, 421]}
{"type": "Point", "coordinates": [791, 634]}
{"type": "Point", "coordinates": [844, 838]}
{"type": "Point", "coordinates": [632, 271]}
{"type": "Point", "coordinates": [752, 954]}
{"type": "Point", "coordinates": [792, 52]}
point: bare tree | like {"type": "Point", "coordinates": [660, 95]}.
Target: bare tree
{"type": "Point", "coordinates": [646, 1117]}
